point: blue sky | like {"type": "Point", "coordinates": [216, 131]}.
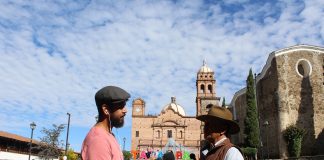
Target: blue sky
{"type": "Point", "coordinates": [56, 55]}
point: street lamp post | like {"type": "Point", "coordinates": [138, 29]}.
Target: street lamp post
{"type": "Point", "coordinates": [67, 134]}
{"type": "Point", "coordinates": [266, 124]}
{"type": "Point", "coordinates": [32, 127]}
{"type": "Point", "coordinates": [124, 139]}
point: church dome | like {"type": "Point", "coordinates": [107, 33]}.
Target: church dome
{"type": "Point", "coordinates": [205, 69]}
{"type": "Point", "coordinates": [175, 107]}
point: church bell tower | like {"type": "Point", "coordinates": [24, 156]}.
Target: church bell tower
{"type": "Point", "coordinates": [206, 92]}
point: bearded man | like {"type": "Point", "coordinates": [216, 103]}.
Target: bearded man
{"type": "Point", "coordinates": [100, 143]}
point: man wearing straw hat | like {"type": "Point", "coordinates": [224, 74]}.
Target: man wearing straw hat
{"type": "Point", "coordinates": [218, 126]}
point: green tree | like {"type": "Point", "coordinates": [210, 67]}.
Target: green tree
{"type": "Point", "coordinates": [251, 121]}
{"type": "Point", "coordinates": [71, 155]}
{"type": "Point", "coordinates": [50, 144]}
{"type": "Point", "coordinates": [223, 104]}
{"type": "Point", "coordinates": [294, 136]}
{"type": "Point", "coordinates": [127, 155]}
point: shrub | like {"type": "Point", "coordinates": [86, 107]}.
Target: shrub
{"type": "Point", "coordinates": [127, 155]}
{"type": "Point", "coordinates": [293, 136]}
{"type": "Point", "coordinates": [249, 151]}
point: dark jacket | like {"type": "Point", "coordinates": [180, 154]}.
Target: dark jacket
{"type": "Point", "coordinates": [168, 156]}
{"type": "Point", "coordinates": [219, 152]}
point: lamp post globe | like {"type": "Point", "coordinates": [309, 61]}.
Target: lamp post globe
{"type": "Point", "coordinates": [266, 124]}
{"type": "Point", "coordinates": [32, 127]}
{"type": "Point", "coordinates": [124, 139]}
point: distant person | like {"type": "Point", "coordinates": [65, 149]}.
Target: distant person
{"type": "Point", "coordinates": [159, 155]}
{"type": "Point", "coordinates": [100, 143]}
{"type": "Point", "coordinates": [148, 153]}
{"type": "Point", "coordinates": [168, 156]}
{"type": "Point", "coordinates": [143, 155]}
{"type": "Point", "coordinates": [192, 156]}
{"type": "Point", "coordinates": [218, 126]}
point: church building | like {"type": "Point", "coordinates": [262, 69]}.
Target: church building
{"type": "Point", "coordinates": [172, 129]}
{"type": "Point", "coordinates": [289, 91]}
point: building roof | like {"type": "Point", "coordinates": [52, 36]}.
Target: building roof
{"type": "Point", "coordinates": [175, 107]}
{"type": "Point", "coordinates": [300, 47]}
{"type": "Point", "coordinates": [205, 68]}
{"type": "Point", "coordinates": [15, 137]}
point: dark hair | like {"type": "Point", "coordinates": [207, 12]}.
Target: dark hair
{"type": "Point", "coordinates": [112, 107]}
{"type": "Point", "coordinates": [168, 156]}
{"type": "Point", "coordinates": [192, 156]}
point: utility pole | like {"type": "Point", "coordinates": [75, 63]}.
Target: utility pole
{"type": "Point", "coordinates": [67, 134]}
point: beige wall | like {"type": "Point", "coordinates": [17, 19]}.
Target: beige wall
{"type": "Point", "coordinates": [148, 127]}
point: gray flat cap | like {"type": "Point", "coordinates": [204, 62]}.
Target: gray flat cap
{"type": "Point", "coordinates": [111, 94]}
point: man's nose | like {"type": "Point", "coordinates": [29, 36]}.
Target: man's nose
{"type": "Point", "coordinates": [125, 109]}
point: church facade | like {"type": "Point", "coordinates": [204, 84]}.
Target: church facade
{"type": "Point", "coordinates": [172, 125]}
{"type": "Point", "coordinates": [289, 91]}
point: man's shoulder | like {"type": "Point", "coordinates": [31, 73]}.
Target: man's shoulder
{"type": "Point", "coordinates": [96, 134]}
{"type": "Point", "coordinates": [234, 153]}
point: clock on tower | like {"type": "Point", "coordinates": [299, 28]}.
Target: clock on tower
{"type": "Point", "coordinates": [138, 107]}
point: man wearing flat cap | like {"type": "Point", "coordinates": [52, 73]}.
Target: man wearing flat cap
{"type": "Point", "coordinates": [218, 126]}
{"type": "Point", "coordinates": [100, 143]}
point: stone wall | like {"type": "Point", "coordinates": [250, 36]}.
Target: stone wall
{"type": "Point", "coordinates": [267, 104]}
{"type": "Point", "coordinates": [240, 109]}
{"type": "Point", "coordinates": [301, 95]}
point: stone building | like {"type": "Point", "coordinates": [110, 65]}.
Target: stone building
{"type": "Point", "coordinates": [289, 91]}
{"type": "Point", "coordinates": [172, 123]}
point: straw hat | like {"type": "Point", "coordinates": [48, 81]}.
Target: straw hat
{"type": "Point", "coordinates": [222, 114]}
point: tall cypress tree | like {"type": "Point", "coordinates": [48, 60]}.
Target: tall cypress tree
{"type": "Point", "coordinates": [251, 121]}
{"type": "Point", "coordinates": [223, 103]}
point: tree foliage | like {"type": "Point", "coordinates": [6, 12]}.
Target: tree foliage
{"type": "Point", "coordinates": [249, 152]}
{"type": "Point", "coordinates": [223, 103]}
{"type": "Point", "coordinates": [251, 121]}
{"type": "Point", "coordinates": [50, 144]}
{"type": "Point", "coordinates": [71, 155]}
{"type": "Point", "coordinates": [127, 155]}
{"type": "Point", "coordinates": [294, 136]}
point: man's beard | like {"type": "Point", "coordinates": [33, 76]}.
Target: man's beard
{"type": "Point", "coordinates": [117, 122]}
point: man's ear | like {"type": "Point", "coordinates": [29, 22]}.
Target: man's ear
{"type": "Point", "coordinates": [105, 110]}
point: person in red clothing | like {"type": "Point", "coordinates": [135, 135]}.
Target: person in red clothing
{"type": "Point", "coordinates": [100, 143]}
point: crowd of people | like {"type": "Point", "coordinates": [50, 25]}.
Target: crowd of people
{"type": "Point", "coordinates": [159, 155]}
{"type": "Point", "coordinates": [101, 144]}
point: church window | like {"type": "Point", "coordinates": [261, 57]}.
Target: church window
{"type": "Point", "coordinates": [181, 134]}
{"type": "Point", "coordinates": [202, 88]}
{"type": "Point", "coordinates": [210, 88]}
{"type": "Point", "coordinates": [158, 134]}
{"type": "Point", "coordinates": [169, 133]}
{"type": "Point", "coordinates": [209, 106]}
{"type": "Point", "coordinates": [137, 134]}
{"type": "Point", "coordinates": [303, 68]}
